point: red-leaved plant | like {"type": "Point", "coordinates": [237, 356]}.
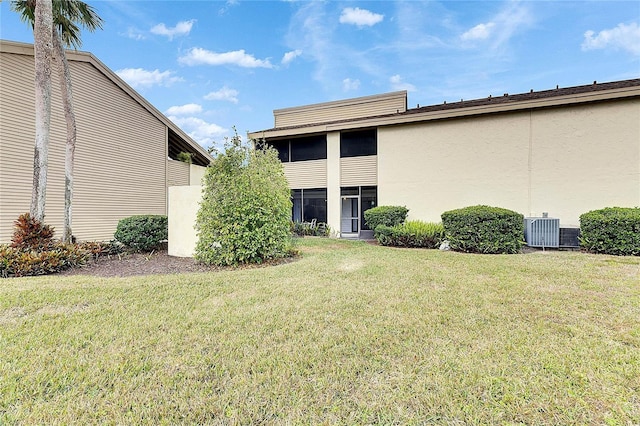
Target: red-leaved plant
{"type": "Point", "coordinates": [31, 234]}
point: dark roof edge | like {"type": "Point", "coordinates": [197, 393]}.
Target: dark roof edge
{"type": "Point", "coordinates": [528, 100]}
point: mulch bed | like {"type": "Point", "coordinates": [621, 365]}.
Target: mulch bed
{"type": "Point", "coordinates": [157, 262]}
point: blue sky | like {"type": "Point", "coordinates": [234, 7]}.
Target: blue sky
{"type": "Point", "coordinates": [212, 65]}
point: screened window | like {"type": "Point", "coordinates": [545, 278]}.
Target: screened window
{"type": "Point", "coordinates": [359, 143]}
{"type": "Point", "coordinates": [283, 150]}
{"type": "Point", "coordinates": [309, 148]}
{"type": "Point", "coordinates": [309, 204]}
{"type": "Point", "coordinates": [301, 149]}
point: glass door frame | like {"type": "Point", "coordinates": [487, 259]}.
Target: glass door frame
{"type": "Point", "coordinates": [351, 234]}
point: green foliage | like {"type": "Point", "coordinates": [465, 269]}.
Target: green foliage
{"type": "Point", "coordinates": [31, 234]}
{"type": "Point", "coordinates": [185, 157]}
{"type": "Point", "coordinates": [142, 233]}
{"type": "Point", "coordinates": [413, 233]}
{"type": "Point", "coordinates": [302, 229]}
{"type": "Point", "coordinates": [612, 230]}
{"type": "Point", "coordinates": [385, 215]}
{"type": "Point", "coordinates": [484, 229]}
{"type": "Point", "coordinates": [16, 262]}
{"type": "Point", "coordinates": [245, 213]}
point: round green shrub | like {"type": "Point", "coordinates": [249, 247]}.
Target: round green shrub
{"type": "Point", "coordinates": [612, 230]}
{"type": "Point", "coordinates": [385, 215]}
{"type": "Point", "coordinates": [142, 233]}
{"type": "Point", "coordinates": [484, 229]}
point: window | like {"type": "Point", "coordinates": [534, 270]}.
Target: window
{"type": "Point", "coordinates": [283, 150]}
{"type": "Point", "coordinates": [309, 204]}
{"type": "Point", "coordinates": [301, 149]}
{"type": "Point", "coordinates": [359, 143]}
{"type": "Point", "coordinates": [309, 148]}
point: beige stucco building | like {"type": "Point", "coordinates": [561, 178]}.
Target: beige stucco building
{"type": "Point", "coordinates": [125, 152]}
{"type": "Point", "coordinates": [563, 152]}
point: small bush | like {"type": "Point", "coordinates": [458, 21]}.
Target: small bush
{"type": "Point", "coordinates": [385, 215]}
{"type": "Point", "coordinates": [412, 233]}
{"type": "Point", "coordinates": [31, 234]}
{"type": "Point", "coordinates": [15, 262]}
{"type": "Point", "coordinates": [185, 157]}
{"type": "Point", "coordinates": [100, 248]}
{"type": "Point", "coordinates": [612, 230]}
{"type": "Point", "coordinates": [142, 233]}
{"type": "Point", "coordinates": [484, 229]}
{"type": "Point", "coordinates": [302, 229]}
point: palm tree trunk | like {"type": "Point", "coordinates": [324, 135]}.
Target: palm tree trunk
{"type": "Point", "coordinates": [42, 33]}
{"type": "Point", "coordinates": [70, 118]}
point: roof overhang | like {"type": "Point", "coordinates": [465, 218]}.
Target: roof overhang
{"type": "Point", "coordinates": [459, 110]}
{"type": "Point", "coordinates": [200, 155]}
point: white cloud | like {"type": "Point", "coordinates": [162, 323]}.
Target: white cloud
{"type": "Point", "coordinates": [228, 5]}
{"type": "Point", "coordinates": [398, 84]}
{"type": "Point", "coordinates": [290, 56]}
{"type": "Point", "coordinates": [141, 78]}
{"type": "Point", "coordinates": [199, 56]}
{"type": "Point", "coordinates": [359, 17]}
{"type": "Point", "coordinates": [224, 94]}
{"type": "Point", "coordinates": [187, 109]}
{"type": "Point", "coordinates": [625, 37]}
{"type": "Point", "coordinates": [498, 31]}
{"type": "Point", "coordinates": [349, 84]}
{"type": "Point", "coordinates": [134, 34]}
{"type": "Point", "coordinates": [181, 28]}
{"type": "Point", "coordinates": [201, 131]}
{"type": "Point", "coordinates": [479, 32]}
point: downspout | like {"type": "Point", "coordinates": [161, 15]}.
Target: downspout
{"type": "Point", "coordinates": [166, 170]}
{"type": "Point", "coordinates": [530, 163]}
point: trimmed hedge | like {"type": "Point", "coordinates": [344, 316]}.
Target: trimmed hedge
{"type": "Point", "coordinates": [142, 233]}
{"type": "Point", "coordinates": [612, 230]}
{"type": "Point", "coordinates": [413, 233]}
{"type": "Point", "coordinates": [484, 229]}
{"type": "Point", "coordinates": [385, 215]}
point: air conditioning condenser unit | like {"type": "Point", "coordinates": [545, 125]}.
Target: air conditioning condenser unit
{"type": "Point", "coordinates": [542, 232]}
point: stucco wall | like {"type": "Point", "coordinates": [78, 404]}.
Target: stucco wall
{"type": "Point", "coordinates": [196, 174]}
{"type": "Point", "coordinates": [333, 182]}
{"type": "Point", "coordinates": [184, 202]}
{"type": "Point", "coordinates": [585, 158]}
{"type": "Point", "coordinates": [564, 161]}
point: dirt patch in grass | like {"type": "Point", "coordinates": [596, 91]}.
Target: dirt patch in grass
{"type": "Point", "coordinates": [158, 262]}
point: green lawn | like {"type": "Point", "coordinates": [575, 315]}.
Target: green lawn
{"type": "Point", "coordinates": [351, 333]}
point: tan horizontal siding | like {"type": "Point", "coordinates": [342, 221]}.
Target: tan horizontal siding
{"type": "Point", "coordinates": [359, 171]}
{"type": "Point", "coordinates": [120, 159]}
{"type": "Point", "coordinates": [369, 106]}
{"type": "Point", "coordinates": [178, 173]}
{"type": "Point", "coordinates": [306, 174]}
